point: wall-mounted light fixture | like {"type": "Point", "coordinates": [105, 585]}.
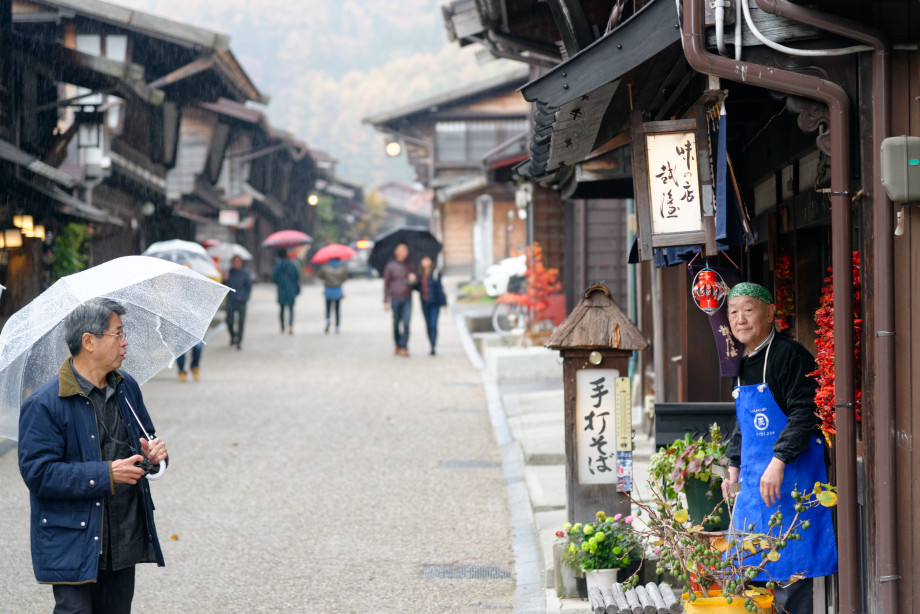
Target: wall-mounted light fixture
{"type": "Point", "coordinates": [36, 232]}
{"type": "Point", "coordinates": [23, 222]}
{"type": "Point", "coordinates": [393, 148]}
{"type": "Point", "coordinates": [12, 238]}
{"type": "Point", "coordinates": [313, 200]}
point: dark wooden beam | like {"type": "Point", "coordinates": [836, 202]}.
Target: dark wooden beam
{"type": "Point", "coordinates": [573, 25]}
{"type": "Point", "coordinates": [646, 34]}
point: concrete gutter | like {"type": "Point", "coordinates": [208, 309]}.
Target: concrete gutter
{"type": "Point", "coordinates": [528, 594]}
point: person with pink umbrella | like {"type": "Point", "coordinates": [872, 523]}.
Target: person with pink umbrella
{"type": "Point", "coordinates": [333, 274]}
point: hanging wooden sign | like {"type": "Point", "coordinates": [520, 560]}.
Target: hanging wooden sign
{"type": "Point", "coordinates": [672, 181]}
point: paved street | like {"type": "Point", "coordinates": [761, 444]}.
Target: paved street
{"type": "Point", "coordinates": [313, 473]}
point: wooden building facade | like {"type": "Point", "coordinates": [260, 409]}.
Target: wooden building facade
{"type": "Point", "coordinates": [805, 129]}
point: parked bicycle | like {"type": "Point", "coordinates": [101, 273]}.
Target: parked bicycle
{"type": "Point", "coordinates": [508, 316]}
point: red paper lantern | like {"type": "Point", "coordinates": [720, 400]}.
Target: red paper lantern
{"type": "Point", "coordinates": [709, 291]}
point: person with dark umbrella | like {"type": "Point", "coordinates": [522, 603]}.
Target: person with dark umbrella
{"type": "Point", "coordinates": [398, 279]}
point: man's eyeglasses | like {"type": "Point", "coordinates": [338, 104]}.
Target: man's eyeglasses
{"type": "Point", "coordinates": [121, 336]}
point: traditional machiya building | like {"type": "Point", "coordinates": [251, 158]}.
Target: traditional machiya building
{"type": "Point", "coordinates": [238, 179]}
{"type": "Point", "coordinates": [92, 105]}
{"type": "Point", "coordinates": [449, 139]}
{"type": "Point", "coordinates": [804, 123]}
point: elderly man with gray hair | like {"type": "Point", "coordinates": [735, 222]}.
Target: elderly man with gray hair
{"type": "Point", "coordinates": [83, 456]}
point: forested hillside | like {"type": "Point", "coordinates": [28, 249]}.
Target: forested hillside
{"type": "Point", "coordinates": [326, 64]}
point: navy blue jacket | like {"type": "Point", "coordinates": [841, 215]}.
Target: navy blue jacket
{"type": "Point", "coordinates": [60, 460]}
{"type": "Point", "coordinates": [241, 281]}
{"type": "Point", "coordinates": [436, 294]}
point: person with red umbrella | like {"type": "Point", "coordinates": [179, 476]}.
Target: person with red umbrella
{"type": "Point", "coordinates": [333, 274]}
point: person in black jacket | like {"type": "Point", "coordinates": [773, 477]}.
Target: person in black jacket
{"type": "Point", "coordinates": [240, 280]}
{"type": "Point", "coordinates": [777, 447]}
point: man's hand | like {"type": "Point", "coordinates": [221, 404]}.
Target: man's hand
{"type": "Point", "coordinates": [155, 452]}
{"type": "Point", "coordinates": [386, 306]}
{"type": "Point", "coordinates": [731, 480]}
{"type": "Point", "coordinates": [771, 481]}
{"type": "Point", "coordinates": [412, 278]}
{"type": "Point", "coordinates": [124, 471]}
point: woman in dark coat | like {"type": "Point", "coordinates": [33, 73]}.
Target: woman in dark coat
{"type": "Point", "coordinates": [433, 298]}
{"type": "Point", "coordinates": [286, 276]}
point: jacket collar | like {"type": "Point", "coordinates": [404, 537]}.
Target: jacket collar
{"type": "Point", "coordinates": [67, 381]}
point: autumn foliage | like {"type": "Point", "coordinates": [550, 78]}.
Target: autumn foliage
{"type": "Point", "coordinates": [541, 283]}
{"type": "Point", "coordinates": [824, 398]}
{"type": "Point", "coordinates": [785, 301]}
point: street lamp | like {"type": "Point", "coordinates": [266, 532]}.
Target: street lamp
{"type": "Point", "coordinates": [313, 200]}
{"type": "Point", "coordinates": [393, 148]}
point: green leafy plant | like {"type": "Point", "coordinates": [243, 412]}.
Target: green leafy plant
{"type": "Point", "coordinates": [68, 250]}
{"type": "Point", "coordinates": [687, 459]}
{"type": "Point", "coordinates": [607, 543]}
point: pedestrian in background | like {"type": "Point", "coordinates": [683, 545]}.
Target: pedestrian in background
{"type": "Point", "coordinates": [433, 298]}
{"type": "Point", "coordinates": [333, 275]}
{"type": "Point", "coordinates": [398, 279]}
{"type": "Point", "coordinates": [196, 363]}
{"type": "Point", "coordinates": [240, 280]}
{"type": "Point", "coordinates": [196, 357]}
{"type": "Point", "coordinates": [79, 455]}
{"type": "Point", "coordinates": [286, 276]}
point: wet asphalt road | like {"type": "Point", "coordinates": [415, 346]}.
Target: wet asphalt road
{"type": "Point", "coordinates": [313, 473]}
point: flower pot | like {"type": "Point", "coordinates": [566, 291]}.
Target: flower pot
{"type": "Point", "coordinates": [601, 578]}
{"type": "Point", "coordinates": [716, 604]}
{"type": "Point", "coordinates": [566, 582]}
{"type": "Point", "coordinates": [699, 504]}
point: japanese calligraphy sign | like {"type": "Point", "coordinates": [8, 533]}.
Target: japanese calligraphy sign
{"type": "Point", "coordinates": [672, 183]}
{"type": "Point", "coordinates": [674, 187]}
{"type": "Point", "coordinates": [596, 425]}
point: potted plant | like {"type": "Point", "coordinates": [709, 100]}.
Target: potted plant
{"type": "Point", "coordinates": [717, 568]}
{"type": "Point", "coordinates": [598, 549]}
{"type": "Point", "coordinates": [695, 469]}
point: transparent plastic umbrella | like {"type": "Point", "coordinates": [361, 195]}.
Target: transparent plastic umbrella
{"type": "Point", "coordinates": [169, 308]}
{"type": "Point", "coordinates": [185, 252]}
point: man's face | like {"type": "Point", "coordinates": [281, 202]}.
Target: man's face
{"type": "Point", "coordinates": [237, 262]}
{"type": "Point", "coordinates": [111, 349]}
{"type": "Point", "coordinates": [401, 252]}
{"type": "Point", "coordinates": [750, 319]}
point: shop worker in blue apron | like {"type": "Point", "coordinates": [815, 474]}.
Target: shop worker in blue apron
{"type": "Point", "coordinates": [777, 447]}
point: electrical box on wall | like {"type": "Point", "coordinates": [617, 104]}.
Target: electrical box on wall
{"type": "Point", "coordinates": [901, 168]}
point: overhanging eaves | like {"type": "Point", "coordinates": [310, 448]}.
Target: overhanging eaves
{"type": "Point", "coordinates": [570, 101]}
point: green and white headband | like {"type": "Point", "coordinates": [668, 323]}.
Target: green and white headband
{"type": "Point", "coordinates": [747, 288]}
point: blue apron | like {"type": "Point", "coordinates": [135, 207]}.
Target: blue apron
{"type": "Point", "coordinates": [761, 420]}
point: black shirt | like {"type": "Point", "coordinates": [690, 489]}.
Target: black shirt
{"type": "Point", "coordinates": [794, 392]}
{"type": "Point", "coordinates": [123, 527]}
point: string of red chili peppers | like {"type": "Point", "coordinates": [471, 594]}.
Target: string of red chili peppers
{"type": "Point", "coordinates": [785, 302]}
{"type": "Point", "coordinates": [824, 316]}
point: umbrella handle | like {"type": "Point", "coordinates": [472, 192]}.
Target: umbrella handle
{"type": "Point", "coordinates": [159, 473]}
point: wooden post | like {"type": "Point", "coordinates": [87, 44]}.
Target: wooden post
{"type": "Point", "coordinates": [596, 342]}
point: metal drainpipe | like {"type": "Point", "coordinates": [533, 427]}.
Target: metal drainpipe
{"type": "Point", "coordinates": [836, 99]}
{"type": "Point", "coordinates": [880, 294]}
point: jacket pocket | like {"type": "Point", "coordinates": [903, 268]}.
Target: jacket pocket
{"type": "Point", "coordinates": [62, 540]}
{"type": "Point", "coordinates": [64, 519]}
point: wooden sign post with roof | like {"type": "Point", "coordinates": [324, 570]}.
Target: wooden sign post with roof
{"type": "Point", "coordinates": [596, 341]}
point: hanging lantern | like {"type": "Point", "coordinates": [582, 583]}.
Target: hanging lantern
{"type": "Point", "coordinates": [709, 291]}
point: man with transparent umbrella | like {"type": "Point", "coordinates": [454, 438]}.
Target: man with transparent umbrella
{"type": "Point", "coordinates": [85, 443]}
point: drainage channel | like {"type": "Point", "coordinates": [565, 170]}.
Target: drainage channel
{"type": "Point", "coordinates": [465, 572]}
